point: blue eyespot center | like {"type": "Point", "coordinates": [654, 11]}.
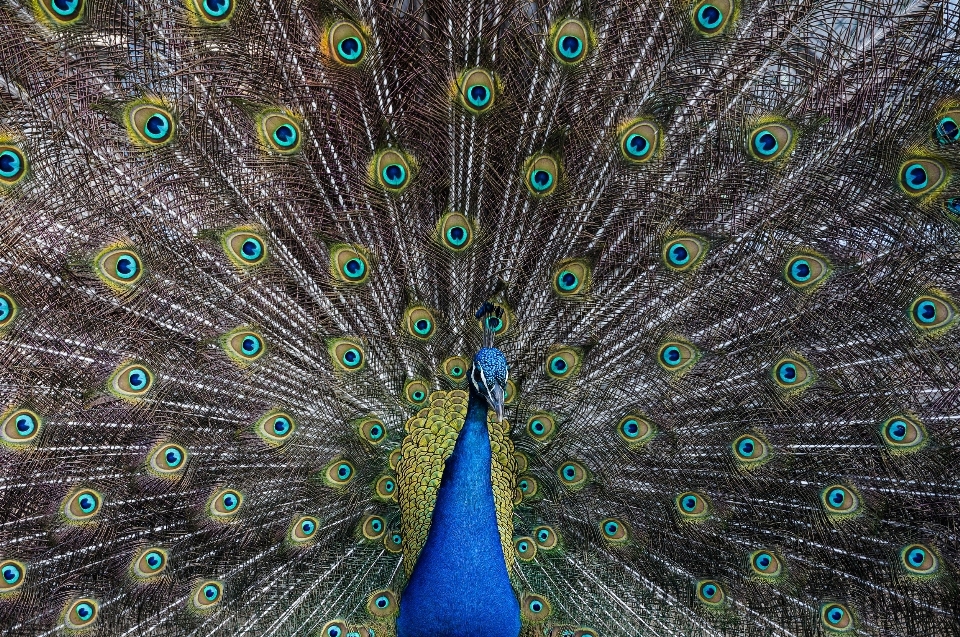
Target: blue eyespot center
{"type": "Point", "coordinates": [478, 95]}
{"type": "Point", "coordinates": [354, 268]}
{"type": "Point", "coordinates": [787, 372]}
{"type": "Point", "coordinates": [917, 556]}
{"type": "Point", "coordinates": [126, 267]}
{"type": "Point", "coordinates": [84, 611]}
{"type": "Point", "coordinates": [10, 164]}
{"type": "Point", "coordinates": [541, 180]}
{"type": "Point", "coordinates": [154, 560]}
{"type": "Point", "coordinates": [173, 458]}
{"type": "Point", "coordinates": [65, 7]}
{"type": "Point", "coordinates": [709, 16]}
{"type": "Point", "coordinates": [672, 356]}
{"type": "Point", "coordinates": [637, 145]}
{"type": "Point", "coordinates": [524, 486]}
{"type": "Point", "coordinates": [396, 539]}
{"type": "Point", "coordinates": [631, 428]}
{"type": "Point", "coordinates": [834, 615]}
{"type": "Point", "coordinates": [611, 528]}
{"type": "Point", "coordinates": [251, 249]}
{"type": "Point", "coordinates": [536, 606]}
{"type": "Point", "coordinates": [543, 535]}
{"type": "Point", "coordinates": [4, 308]}
{"type": "Point", "coordinates": [250, 345]}
{"type": "Point", "coordinates": [333, 631]}
{"type": "Point", "coordinates": [216, 8]}
{"type": "Point", "coordinates": [766, 143]}
{"type": "Point", "coordinates": [558, 365]}
{"type": "Point", "coordinates": [308, 527]}
{"type": "Point", "coordinates": [344, 471]}
{"type": "Point", "coordinates": [678, 254]}
{"type": "Point", "coordinates": [87, 502]}
{"type": "Point", "coordinates": [11, 574]}
{"type": "Point", "coordinates": [210, 592]}
{"type": "Point", "coordinates": [494, 323]}
{"type": "Point", "coordinates": [281, 426]}
{"type": "Point", "coordinates": [800, 270]}
{"type": "Point", "coordinates": [394, 174]}
{"type": "Point", "coordinates": [137, 378]}
{"type": "Point", "coordinates": [285, 135]}
{"type": "Point", "coordinates": [569, 472]}
{"type": "Point", "coordinates": [418, 395]}
{"type": "Point", "coordinates": [926, 311]}
{"type": "Point", "coordinates": [916, 176]}
{"type": "Point", "coordinates": [897, 430]}
{"type": "Point", "coordinates": [382, 602]}
{"type": "Point", "coordinates": [350, 48]}
{"type": "Point", "coordinates": [837, 497]}
{"type": "Point", "coordinates": [567, 280]}
{"type": "Point", "coordinates": [570, 46]}
{"type": "Point", "coordinates": [157, 126]}
{"type": "Point", "coordinates": [746, 447]}
{"type": "Point", "coordinates": [376, 432]}
{"type": "Point", "coordinates": [351, 357]}
{"type": "Point", "coordinates": [376, 525]}
{"type": "Point", "coordinates": [26, 424]}
{"type": "Point", "coordinates": [230, 502]}
{"type": "Point", "coordinates": [709, 591]}
{"type": "Point", "coordinates": [457, 235]}
{"type": "Point", "coordinates": [947, 130]}
{"type": "Point", "coordinates": [422, 326]}
{"type": "Point", "coordinates": [763, 560]}
{"type": "Point", "coordinates": [689, 503]}
{"type": "Point", "coordinates": [456, 372]}
{"type": "Point", "coordinates": [537, 427]}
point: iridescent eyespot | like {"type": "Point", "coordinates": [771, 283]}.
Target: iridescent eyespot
{"type": "Point", "coordinates": [684, 253]}
{"type": "Point", "coordinates": [806, 271]}
{"type": "Point", "coordinates": [119, 268]}
{"type": "Point", "coordinates": [562, 363]}
{"type": "Point", "coordinates": [521, 460]}
{"type": "Point", "coordinates": [839, 501]}
{"type": "Point", "coordinates": [635, 430]}
{"type": "Point", "coordinates": [244, 247]}
{"type": "Point", "coordinates": [639, 141]}
{"type": "Point", "coordinates": [455, 368]}
{"type": "Point", "coordinates": [275, 428]}
{"type": "Point", "coordinates": [13, 165]}
{"type": "Point", "coordinates": [476, 90]}
{"type": "Point", "coordinates": [750, 450]}
{"type": "Point", "coordinates": [498, 324]}
{"type": "Point", "coordinates": [371, 430]}
{"type": "Point", "coordinates": [766, 564]}
{"type": "Point", "coordinates": [212, 12]}
{"type": "Point", "coordinates": [509, 392]}
{"type": "Point", "coordinates": [528, 486]}
{"type": "Point", "coordinates": [349, 264]}
{"type": "Point", "coordinates": [933, 312]}
{"type": "Point", "coordinates": [347, 44]}
{"type": "Point", "coordinates": [615, 531]}
{"type": "Point", "coordinates": [386, 488]}
{"type": "Point", "coordinates": [570, 40]}
{"type": "Point", "coordinates": [62, 12]}
{"type": "Point", "coordinates": [8, 310]}
{"type": "Point", "coordinates": [677, 356]}
{"type": "Point", "coordinates": [416, 392]}
{"type": "Point", "coordinates": [224, 503]}
{"type": "Point", "coordinates": [947, 129]}
{"type": "Point", "coordinates": [168, 459]}
{"type": "Point", "coordinates": [455, 232]}
{"type": "Point", "coordinates": [207, 595]}
{"type": "Point", "coordinates": [918, 559]}
{"type": "Point", "coordinates": [373, 527]}
{"type": "Point", "coordinates": [545, 537]}
{"type": "Point", "coordinates": [130, 381]}
{"type": "Point", "coordinates": [692, 505]}
{"type": "Point", "coordinates": [710, 593]}
{"type": "Point", "coordinates": [526, 549]}
{"type": "Point", "coordinates": [394, 458]}
{"type": "Point", "coordinates": [278, 131]}
{"type": "Point", "coordinates": [393, 542]}
{"type": "Point", "coordinates": [382, 603]}
{"type": "Point", "coordinates": [903, 434]}
{"type": "Point", "coordinates": [149, 563]}
{"type": "Point", "coordinates": [339, 473]}
{"type": "Point", "coordinates": [534, 608]}
{"type": "Point", "coordinates": [542, 172]}
{"type": "Point", "coordinates": [347, 354]}
{"type": "Point", "coordinates": [20, 427]}
{"type": "Point", "coordinates": [836, 618]}
{"type": "Point", "coordinates": [770, 141]}
{"type": "Point", "coordinates": [243, 345]}
{"type": "Point", "coordinates": [571, 277]}
{"type": "Point", "coordinates": [921, 176]}
{"type": "Point", "coordinates": [149, 125]}
{"type": "Point", "coordinates": [711, 17]}
{"type": "Point", "coordinates": [952, 207]}
{"type": "Point", "coordinates": [12, 576]}
{"type": "Point", "coordinates": [392, 170]}
{"type": "Point", "coordinates": [335, 628]}
{"type": "Point", "coordinates": [80, 613]}
{"type": "Point", "coordinates": [419, 322]}
{"type": "Point", "coordinates": [82, 505]}
{"type": "Point", "coordinates": [792, 374]}
{"type": "Point", "coordinates": [541, 427]}
{"type": "Point", "coordinates": [303, 529]}
{"type": "Point", "coordinates": [573, 475]}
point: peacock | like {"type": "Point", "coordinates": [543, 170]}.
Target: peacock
{"type": "Point", "coordinates": [506, 318]}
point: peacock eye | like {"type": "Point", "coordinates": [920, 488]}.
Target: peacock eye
{"type": "Point", "coordinates": [347, 354]}
{"type": "Point", "coordinates": [347, 43]}
{"type": "Point", "coordinates": [149, 563]}
{"type": "Point", "coordinates": [920, 176]}
{"type": "Point", "coordinates": [541, 175]}
{"type": "Point", "coordinates": [63, 12]}
{"type": "Point", "coordinates": [839, 501]}
{"type": "Point", "coordinates": [335, 628]}
{"type": "Point", "coordinates": [711, 17]}
{"type": "Point", "coordinates": [535, 608]}
{"type": "Point", "coordinates": [766, 564]}
{"type": "Point", "coordinates": [349, 264]}
{"type": "Point", "coordinates": [13, 165]}
{"type": "Point", "coordinates": [614, 531]}
{"type": "Point", "coordinates": [710, 593]}
{"type": "Point", "coordinates": [82, 505]}
{"type": "Point", "coordinates": [477, 90]}
{"type": "Point", "coordinates": [244, 248]}
{"type": "Point", "coordinates": [793, 374]}
{"type": "Point", "coordinates": [541, 427]}
{"type": "Point", "coordinates": [918, 559]}
{"type": "Point", "coordinates": [692, 505]}
{"type": "Point", "coordinates": [903, 434]}
{"type": "Point", "coordinates": [119, 268]}
{"type": "Point", "coordinates": [770, 141]}
{"type": "Point", "coordinates": [279, 132]}
{"type": "Point", "coordinates": [382, 603]}
{"type": "Point", "coordinates": [750, 450]}
{"type": "Point", "coordinates": [8, 310]}
{"type": "Point", "coordinates": [573, 475]}
{"type": "Point", "coordinates": [11, 576]}
{"type": "Point", "coordinates": [168, 459]}
{"type": "Point", "coordinates": [225, 503]}
{"type": "Point", "coordinates": [419, 322]}
{"type": "Point", "coordinates": [302, 529]}
{"type": "Point", "coordinates": [386, 488]}
{"type": "Point", "coordinates": [526, 548]}
{"type": "Point", "coordinates": [80, 613]}
{"type": "Point", "coordinates": [677, 356]}
{"type": "Point", "coordinates": [20, 427]}
{"type": "Point", "coordinates": [570, 41]}
{"type": "Point", "coordinates": [150, 125]}
{"type": "Point", "coordinates": [392, 171]}
{"type": "Point", "coordinates": [339, 473]}
{"type": "Point", "coordinates": [373, 527]}
{"type": "Point", "coordinates": [933, 312]}
{"type": "Point", "coordinates": [836, 618]}
{"type": "Point", "coordinates": [635, 431]}
{"type": "Point", "coordinates": [455, 232]}
{"type": "Point", "coordinates": [243, 345]}
{"type": "Point", "coordinates": [639, 141]}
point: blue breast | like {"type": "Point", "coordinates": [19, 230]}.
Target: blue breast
{"type": "Point", "coordinates": [460, 586]}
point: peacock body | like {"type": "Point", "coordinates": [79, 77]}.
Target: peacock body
{"type": "Point", "coordinates": [711, 387]}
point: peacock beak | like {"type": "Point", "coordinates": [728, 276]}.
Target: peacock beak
{"type": "Point", "coordinates": [495, 400]}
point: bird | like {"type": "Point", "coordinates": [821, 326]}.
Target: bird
{"type": "Point", "coordinates": [549, 318]}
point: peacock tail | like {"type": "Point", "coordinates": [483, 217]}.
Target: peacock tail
{"type": "Point", "coordinates": [242, 248]}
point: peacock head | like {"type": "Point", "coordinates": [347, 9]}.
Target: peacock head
{"type": "Point", "coordinates": [489, 372]}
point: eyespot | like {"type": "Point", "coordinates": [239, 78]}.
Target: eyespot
{"type": "Point", "coordinates": [168, 459]}
{"type": "Point", "coordinates": [684, 253]}
{"type": "Point", "coordinates": [131, 381]}
{"type": "Point", "coordinates": [119, 268]}
{"type": "Point", "coordinates": [207, 595]}
{"type": "Point", "coordinates": [571, 278]}
{"type": "Point", "coordinates": [349, 264]}
{"type": "Point", "coordinates": [534, 608]}
{"type": "Point", "coordinates": [394, 458]}
{"type": "Point", "coordinates": [562, 363]}
{"type": "Point", "coordinates": [347, 354]}
{"type": "Point", "coordinates": [614, 531]}
{"type": "Point", "coordinates": [13, 166]}
{"type": "Point", "coordinates": [278, 132]}
{"type": "Point", "coordinates": [225, 503]}
{"type": "Point", "coordinates": [676, 356]}
{"type": "Point", "coordinates": [838, 500]}
{"type": "Point", "coordinates": [933, 312]}
{"type": "Point", "coordinates": [8, 310]}
{"type": "Point", "coordinates": [149, 125]}
{"type": "Point", "coordinates": [303, 529]}
{"type": "Point", "coordinates": [455, 368]}
{"type": "Point", "coordinates": [541, 175]}
{"type": "Point", "coordinates": [80, 613]}
{"type": "Point", "coordinates": [419, 322]}
{"type": "Point", "coordinates": [21, 427]}
{"type": "Point", "coordinates": [63, 12]}
{"type": "Point", "coordinates": [416, 392]}
{"type": "Point", "coordinates": [12, 576]}
{"type": "Point", "coordinates": [806, 271]}
{"type": "Point", "coordinates": [244, 248]}
{"type": "Point", "coordinates": [947, 129]}
{"type": "Point", "coordinates": [836, 618]}
{"type": "Point", "coordinates": [712, 16]}
{"type": "Point", "coordinates": [522, 461]}
{"type": "Point", "coordinates": [792, 373]}
{"type": "Point", "coordinates": [639, 141]}
{"type": "Point", "coordinates": [570, 41]}
{"type": "Point", "coordinates": [392, 171]}
{"type": "Point", "coordinates": [393, 542]}
{"type": "Point", "coordinates": [750, 450]}
{"type": "Point", "coordinates": [347, 44]}
{"type": "Point", "coordinates": [372, 430]}
{"type": "Point", "coordinates": [541, 427]}
{"type": "Point", "coordinates": [275, 428]}
{"type": "Point", "coordinates": [509, 392]}
{"type": "Point", "coordinates": [770, 141]}
{"type": "Point", "coordinates": [476, 90]}
{"type": "Point", "coordinates": [920, 176]}
{"type": "Point", "coordinates": [499, 324]}
{"type": "Point", "coordinates": [710, 593]}
{"type": "Point", "coordinates": [382, 603]}
{"type": "Point", "coordinates": [82, 505]}
{"type": "Point", "coordinates": [455, 232]}
{"type": "Point", "coordinates": [373, 527]}
{"type": "Point", "coordinates": [526, 549]}
{"type": "Point", "coordinates": [212, 12]}
{"type": "Point", "coordinates": [545, 537]}
{"type": "Point", "coordinates": [528, 486]}
{"type": "Point", "coordinates": [335, 628]}
{"type": "Point", "coordinates": [635, 430]}
{"type": "Point", "coordinates": [903, 434]}
{"type": "Point", "coordinates": [243, 345]}
{"type": "Point", "coordinates": [149, 563]}
{"type": "Point", "coordinates": [573, 475]}
{"type": "Point", "coordinates": [692, 505]}
{"type": "Point", "coordinates": [766, 564]}
{"type": "Point", "coordinates": [339, 473]}
{"type": "Point", "coordinates": [386, 488]}
{"type": "Point", "coordinates": [918, 559]}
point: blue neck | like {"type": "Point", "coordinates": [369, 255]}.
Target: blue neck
{"type": "Point", "coordinates": [460, 586]}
